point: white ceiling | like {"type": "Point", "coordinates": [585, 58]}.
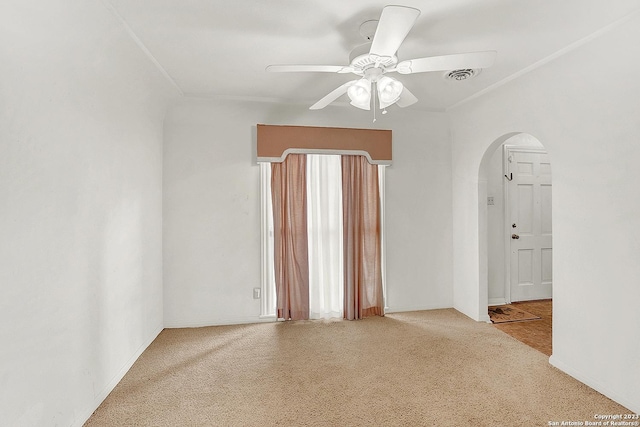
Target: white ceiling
{"type": "Point", "coordinates": [220, 49]}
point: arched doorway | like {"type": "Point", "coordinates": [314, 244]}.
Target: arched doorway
{"type": "Point", "coordinates": [515, 242]}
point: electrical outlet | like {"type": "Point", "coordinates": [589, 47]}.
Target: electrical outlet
{"type": "Point", "coordinates": [256, 293]}
{"type": "Point", "coordinates": [490, 200]}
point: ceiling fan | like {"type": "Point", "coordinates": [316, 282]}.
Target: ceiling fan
{"type": "Point", "coordinates": [372, 61]}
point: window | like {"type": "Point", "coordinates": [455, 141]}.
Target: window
{"type": "Point", "coordinates": [324, 225]}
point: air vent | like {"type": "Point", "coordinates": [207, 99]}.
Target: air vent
{"type": "Point", "coordinates": [460, 75]}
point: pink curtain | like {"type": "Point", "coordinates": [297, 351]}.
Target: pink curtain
{"type": "Point", "coordinates": [362, 247]}
{"type": "Point", "coordinates": [288, 192]}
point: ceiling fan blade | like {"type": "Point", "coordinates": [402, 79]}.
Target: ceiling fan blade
{"type": "Point", "coordinates": [447, 62]}
{"type": "Point", "coordinates": [406, 98]}
{"type": "Point", "coordinates": [309, 68]}
{"type": "Point", "coordinates": [393, 26]}
{"type": "Point", "coordinates": [332, 96]}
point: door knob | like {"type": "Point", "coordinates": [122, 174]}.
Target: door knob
{"type": "Point", "coordinates": [515, 236]}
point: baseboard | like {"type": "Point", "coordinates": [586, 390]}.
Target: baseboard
{"type": "Point", "coordinates": [497, 301]}
{"type": "Point", "coordinates": [100, 397]}
{"type": "Point", "coordinates": [485, 318]}
{"type": "Point", "coordinates": [401, 309]}
{"type": "Point", "coordinates": [223, 321]}
{"type": "Point", "coordinates": [219, 321]}
{"type": "Point", "coordinates": [634, 407]}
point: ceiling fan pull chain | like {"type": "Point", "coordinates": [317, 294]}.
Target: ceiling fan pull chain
{"type": "Point", "coordinates": [374, 89]}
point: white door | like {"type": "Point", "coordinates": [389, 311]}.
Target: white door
{"type": "Point", "coordinates": [529, 224]}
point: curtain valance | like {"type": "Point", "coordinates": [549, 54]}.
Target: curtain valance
{"type": "Point", "coordinates": [275, 142]}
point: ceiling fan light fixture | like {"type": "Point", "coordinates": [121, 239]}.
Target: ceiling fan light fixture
{"type": "Point", "coordinates": [389, 91]}
{"type": "Point", "coordinates": [360, 94]}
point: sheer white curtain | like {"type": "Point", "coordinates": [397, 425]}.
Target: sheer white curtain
{"type": "Point", "coordinates": [324, 220]}
{"type": "Point", "coordinates": [324, 228]}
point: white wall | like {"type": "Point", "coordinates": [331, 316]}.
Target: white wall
{"type": "Point", "coordinates": [495, 229]}
{"type": "Point", "coordinates": [81, 112]}
{"type": "Point", "coordinates": [212, 207]}
{"type": "Point", "coordinates": [584, 108]}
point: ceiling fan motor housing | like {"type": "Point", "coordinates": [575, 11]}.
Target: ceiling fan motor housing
{"type": "Point", "coordinates": [361, 59]}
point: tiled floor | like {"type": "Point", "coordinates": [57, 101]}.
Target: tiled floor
{"type": "Point", "coordinates": [534, 333]}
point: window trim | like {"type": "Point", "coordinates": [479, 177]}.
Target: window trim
{"type": "Point", "coordinates": [267, 276]}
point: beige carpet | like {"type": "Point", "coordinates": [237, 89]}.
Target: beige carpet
{"type": "Point", "coordinates": [411, 369]}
